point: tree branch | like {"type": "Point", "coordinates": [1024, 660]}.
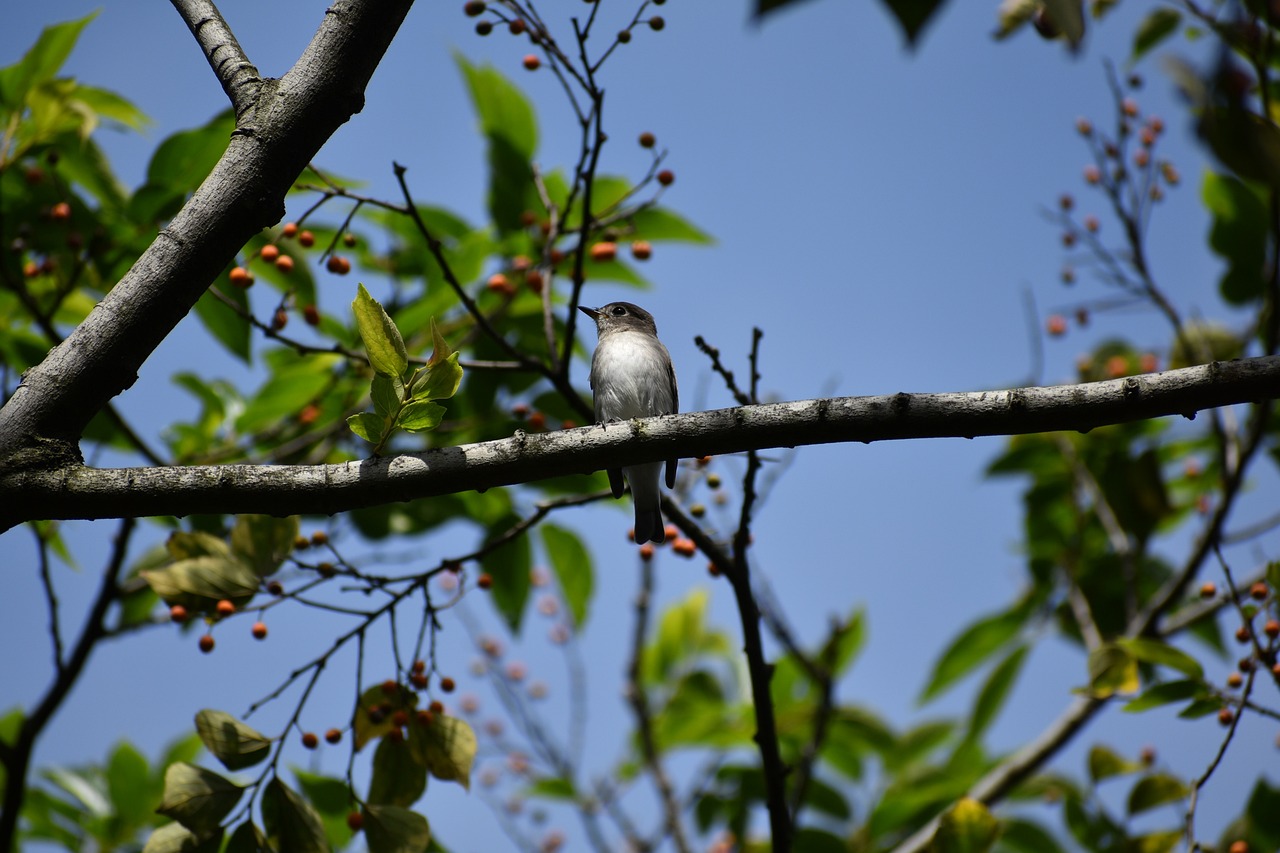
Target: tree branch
{"type": "Point", "coordinates": [273, 141]}
{"type": "Point", "coordinates": [76, 491]}
{"type": "Point", "coordinates": [238, 76]}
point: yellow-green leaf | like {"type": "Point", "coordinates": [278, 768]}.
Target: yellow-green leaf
{"type": "Point", "coordinates": [447, 749]}
{"type": "Point", "coordinates": [381, 338]}
{"type": "Point", "coordinates": [176, 838]}
{"type": "Point", "coordinates": [1112, 670]}
{"type": "Point", "coordinates": [441, 381]}
{"type": "Point", "coordinates": [391, 829]}
{"type": "Point", "coordinates": [200, 582]}
{"type": "Point", "coordinates": [1156, 790]}
{"type": "Point", "coordinates": [232, 742]}
{"type": "Point", "coordinates": [420, 415]}
{"type": "Point", "coordinates": [197, 798]}
{"type": "Point", "coordinates": [263, 541]}
{"type": "Point", "coordinates": [1105, 764]}
{"type": "Point", "coordinates": [967, 827]}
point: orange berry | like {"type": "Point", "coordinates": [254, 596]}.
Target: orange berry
{"type": "Point", "coordinates": [284, 263]}
{"type": "Point", "coordinates": [485, 581]}
{"type": "Point", "coordinates": [206, 643]}
{"type": "Point", "coordinates": [1239, 846]}
{"type": "Point", "coordinates": [1271, 629]}
{"type": "Point", "coordinates": [1243, 634]}
{"type": "Point", "coordinates": [419, 666]}
{"type": "Point", "coordinates": [666, 177]}
{"type": "Point", "coordinates": [1092, 175]}
{"type": "Point", "coordinates": [333, 736]}
{"type": "Point", "coordinates": [310, 414]}
{"type": "Point", "coordinates": [684, 547]}
{"type": "Point", "coordinates": [641, 250]}
{"type": "Point", "coordinates": [1084, 126]}
{"type": "Point", "coordinates": [1149, 363]}
{"type": "Point", "coordinates": [1225, 716]}
{"type": "Point", "coordinates": [520, 410]}
{"type": "Point", "coordinates": [498, 283]}
{"type": "Point", "coordinates": [447, 684]}
{"type": "Point", "coordinates": [240, 277]}
{"type": "Point", "coordinates": [537, 421]}
{"type": "Point", "coordinates": [270, 252]}
{"type": "Point", "coordinates": [348, 240]}
{"type": "Point", "coordinates": [60, 212]}
{"type": "Point", "coordinates": [1117, 366]}
{"type": "Point", "coordinates": [259, 630]}
{"type": "Point", "coordinates": [647, 140]}
{"type": "Point", "coordinates": [604, 251]}
{"type": "Point", "coordinates": [309, 740]}
{"type": "Point", "coordinates": [1056, 325]}
{"type": "Point", "coordinates": [671, 531]}
{"type": "Point", "coordinates": [1258, 591]}
{"type": "Point", "coordinates": [338, 265]}
{"type": "Point", "coordinates": [280, 319]}
{"type": "Point", "coordinates": [290, 229]}
{"type": "Point", "coordinates": [301, 543]}
{"type": "Point", "coordinates": [646, 551]}
{"type": "Point", "coordinates": [1130, 107]}
{"type": "Point", "coordinates": [312, 315]}
{"type": "Point", "coordinates": [534, 280]}
{"type": "Point", "coordinates": [178, 613]}
{"type": "Point", "coordinates": [225, 607]}
{"type": "Point", "coordinates": [319, 537]}
{"type": "Point", "coordinates": [1208, 589]}
{"type": "Point", "coordinates": [532, 62]}
{"type": "Point", "coordinates": [31, 269]}
{"type": "Point", "coordinates": [306, 239]}
{"type": "Point", "coordinates": [1234, 680]}
{"type": "Point", "coordinates": [1141, 158]}
{"type": "Point", "coordinates": [418, 680]}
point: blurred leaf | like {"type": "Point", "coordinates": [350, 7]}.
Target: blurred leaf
{"type": "Point", "coordinates": [1263, 816]}
{"type": "Point", "coordinates": [381, 338]}
{"type": "Point", "coordinates": [1013, 15]}
{"type": "Point", "coordinates": [1157, 26]}
{"type": "Point", "coordinates": [390, 829]}
{"type": "Point", "coordinates": [292, 385]}
{"type": "Point", "coordinates": [247, 839]}
{"type": "Point", "coordinates": [332, 799]}
{"type": "Point", "coordinates": [375, 709]}
{"type": "Point", "coordinates": [129, 785]}
{"type": "Point", "coordinates": [508, 122]}
{"type": "Point", "coordinates": [509, 566]}
{"type": "Point", "coordinates": [447, 748]}
{"type": "Point", "coordinates": [659, 224]}
{"type": "Point", "coordinates": [1238, 235]}
{"type": "Point", "coordinates": [232, 742]}
{"type": "Point", "coordinates": [1106, 764]}
{"type": "Point", "coordinates": [974, 645]}
{"type": "Point", "coordinates": [1067, 17]}
{"type": "Point", "coordinates": [291, 823]}
{"type": "Point", "coordinates": [185, 159]}
{"type": "Point", "coordinates": [197, 798]}
{"type": "Point", "coordinates": [967, 827]}
{"type": "Point", "coordinates": [1202, 342]}
{"type": "Point", "coordinates": [200, 582]}
{"type": "Point", "coordinates": [176, 838]}
{"type": "Point", "coordinates": [1156, 790]}
{"type": "Point", "coordinates": [42, 61]}
{"type": "Point", "coordinates": [572, 565]}
{"type": "Point", "coordinates": [552, 788]}
{"type": "Point", "coordinates": [1112, 669]}
{"type": "Point", "coordinates": [1164, 841]}
{"type": "Point", "coordinates": [1164, 693]}
{"type": "Point", "coordinates": [1163, 654]}
{"type": "Point", "coordinates": [397, 779]}
{"type": "Point", "coordinates": [1244, 142]}
{"type": "Point", "coordinates": [1025, 836]}
{"type": "Point", "coordinates": [263, 541]}
{"type": "Point", "coordinates": [995, 690]}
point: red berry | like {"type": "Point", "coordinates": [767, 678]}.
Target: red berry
{"type": "Point", "coordinates": [534, 281]}
{"type": "Point", "coordinates": [306, 239]}
{"type": "Point", "coordinates": [485, 581]}
{"type": "Point", "coordinates": [646, 551]}
{"type": "Point", "coordinates": [390, 687]}
{"type": "Point", "coordinates": [641, 250]}
{"type": "Point", "coordinates": [280, 319]}
{"type": "Point", "coordinates": [312, 315]}
{"type": "Point", "coordinates": [532, 62]}
{"type": "Point", "coordinates": [310, 414]}
{"type": "Point", "coordinates": [60, 212]}
{"type": "Point", "coordinates": [333, 736]}
{"type": "Point", "coordinates": [240, 277]}
{"type": "Point", "coordinates": [290, 229]}
{"type": "Point", "coordinates": [1234, 680]}
{"type": "Point", "coordinates": [447, 684]}
{"type": "Point", "coordinates": [1271, 629]}
{"type": "Point", "coordinates": [473, 8]}
{"type": "Point", "coordinates": [656, 23]}
{"type": "Point", "coordinates": [338, 265]}
{"type": "Point", "coordinates": [516, 27]}
{"type": "Point", "coordinates": [666, 177]}
{"type": "Point", "coordinates": [1258, 591]}
{"type": "Point", "coordinates": [498, 283]}
{"type": "Point", "coordinates": [605, 251]}
{"type": "Point", "coordinates": [1243, 634]}
{"type": "Point", "coordinates": [1056, 325]}
{"type": "Point", "coordinates": [647, 140]}
{"type": "Point", "coordinates": [309, 740]}
{"type": "Point", "coordinates": [400, 719]}
{"type": "Point", "coordinates": [284, 263]}
{"type": "Point", "coordinates": [537, 421]}
{"type": "Point", "coordinates": [1225, 716]}
{"type": "Point", "coordinates": [259, 630]}
{"type": "Point", "coordinates": [424, 718]}
{"type": "Point", "coordinates": [206, 643]}
{"type": "Point", "coordinates": [418, 680]}
{"type": "Point", "coordinates": [436, 707]}
{"type": "Point", "coordinates": [178, 613]}
{"type": "Point", "coordinates": [270, 252]}
{"type": "Point", "coordinates": [225, 607]}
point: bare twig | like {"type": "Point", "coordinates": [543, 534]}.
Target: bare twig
{"type": "Point", "coordinates": [238, 76]}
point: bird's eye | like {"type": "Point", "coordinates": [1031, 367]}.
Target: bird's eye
{"type": "Point", "coordinates": [618, 311]}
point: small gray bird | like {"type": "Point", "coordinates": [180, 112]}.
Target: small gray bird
{"type": "Point", "coordinates": [632, 377]}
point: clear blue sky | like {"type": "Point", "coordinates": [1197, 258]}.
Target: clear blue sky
{"type": "Point", "coordinates": [878, 215]}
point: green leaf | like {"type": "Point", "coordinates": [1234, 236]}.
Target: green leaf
{"type": "Point", "coordinates": [1157, 26]}
{"type": "Point", "coordinates": [1106, 764]}
{"type": "Point", "coordinates": [1156, 790]}
{"type": "Point", "coordinates": [1025, 836]}
{"type": "Point", "coordinates": [398, 779]}
{"type": "Point", "coordinates": [201, 582]}
{"type": "Point", "coordinates": [129, 785]}
{"type": "Point", "coordinates": [659, 224]}
{"type": "Point", "coordinates": [552, 788]}
{"type": "Point", "coordinates": [1243, 141]}
{"type": "Point", "coordinates": [572, 565]}
{"type": "Point", "coordinates": [332, 799]}
{"type": "Point", "coordinates": [387, 393]}
{"type": "Point", "coordinates": [291, 386]}
{"type": "Point", "coordinates": [442, 380]}
{"type": "Point", "coordinates": [1112, 669]}
{"type": "Point", "coordinates": [232, 742]}
{"type": "Point", "coordinates": [1163, 841]}
{"type": "Point", "coordinates": [247, 839]}
{"type": "Point", "coordinates": [995, 690]}
{"type": "Point", "coordinates": [182, 161]}
{"type": "Point", "coordinates": [509, 565]}
{"type": "Point", "coordinates": [447, 748]}
{"type": "Point", "coordinates": [1263, 815]}
{"type": "Point", "coordinates": [42, 61]}
{"type": "Point", "coordinates": [197, 798]}
{"type": "Point", "coordinates": [507, 121]}
{"type": "Point", "coordinates": [1164, 693]}
{"type": "Point", "coordinates": [263, 542]}
{"type": "Point", "coordinates": [375, 710]}
{"type": "Point", "coordinates": [390, 829]}
{"type": "Point", "coordinates": [1067, 17]}
{"type": "Point", "coordinates": [912, 15]}
{"type": "Point", "coordinates": [176, 838]}
{"type": "Point", "coordinates": [367, 425]}
{"type": "Point", "coordinates": [973, 646]}
{"type": "Point", "coordinates": [420, 416]}
{"type": "Point", "coordinates": [1238, 235]}
{"type": "Point", "coordinates": [291, 823]}
{"type": "Point", "coordinates": [381, 338]}
{"type": "Point", "coordinates": [967, 827]}
{"type": "Point", "coordinates": [1163, 654]}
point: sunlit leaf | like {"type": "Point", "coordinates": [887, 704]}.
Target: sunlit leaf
{"type": "Point", "coordinates": [967, 827]}
{"type": "Point", "coordinates": [232, 742]}
{"type": "Point", "coordinates": [381, 338]}
{"type": "Point", "coordinates": [176, 838]}
{"type": "Point", "coordinates": [1112, 670]}
{"type": "Point", "coordinates": [446, 747]}
{"type": "Point", "coordinates": [1104, 763]}
{"type": "Point", "coordinates": [201, 582]}
{"type": "Point", "coordinates": [1163, 654]}
{"type": "Point", "coordinates": [420, 415]}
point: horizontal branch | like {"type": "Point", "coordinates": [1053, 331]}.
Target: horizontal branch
{"type": "Point", "coordinates": [77, 491]}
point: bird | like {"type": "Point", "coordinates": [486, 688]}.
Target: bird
{"type": "Point", "coordinates": [632, 377]}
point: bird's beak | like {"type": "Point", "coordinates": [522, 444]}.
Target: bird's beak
{"type": "Point", "coordinates": [590, 312]}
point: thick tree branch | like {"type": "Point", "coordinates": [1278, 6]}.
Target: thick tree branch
{"type": "Point", "coordinates": [76, 491]}
{"type": "Point", "coordinates": [274, 139]}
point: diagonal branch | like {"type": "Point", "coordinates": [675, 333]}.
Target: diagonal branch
{"type": "Point", "coordinates": [238, 76]}
{"type": "Point", "coordinates": [72, 490]}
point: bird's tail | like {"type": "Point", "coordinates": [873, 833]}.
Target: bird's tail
{"type": "Point", "coordinates": [643, 480]}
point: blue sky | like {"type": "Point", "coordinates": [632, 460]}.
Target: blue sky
{"type": "Point", "coordinates": [877, 213]}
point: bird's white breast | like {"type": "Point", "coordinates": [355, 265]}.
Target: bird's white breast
{"type": "Point", "coordinates": [631, 377]}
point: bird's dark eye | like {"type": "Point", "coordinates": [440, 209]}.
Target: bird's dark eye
{"type": "Point", "coordinates": [618, 311]}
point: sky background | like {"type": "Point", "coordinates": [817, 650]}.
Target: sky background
{"type": "Point", "coordinates": [878, 212]}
